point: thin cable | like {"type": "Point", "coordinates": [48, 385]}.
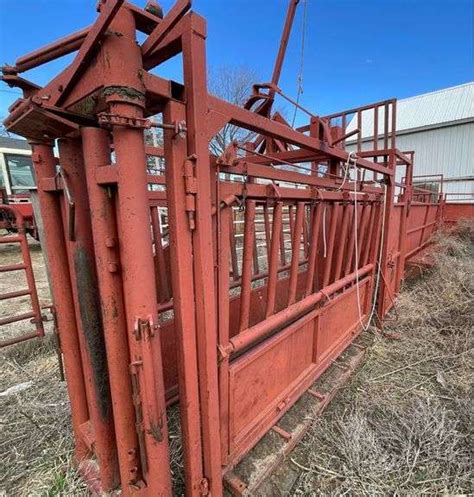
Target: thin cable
{"type": "Point", "coordinates": [356, 255]}
{"type": "Point", "coordinates": [11, 92]}
{"type": "Point", "coordinates": [351, 159]}
{"type": "Point", "coordinates": [300, 75]}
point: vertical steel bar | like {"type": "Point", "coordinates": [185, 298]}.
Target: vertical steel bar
{"type": "Point", "coordinates": [330, 246]}
{"type": "Point", "coordinates": [359, 135]}
{"type": "Point", "coordinates": [223, 282]}
{"type": "Point", "coordinates": [305, 233]}
{"type": "Point", "coordinates": [388, 226]}
{"type": "Point", "coordinates": [282, 243]}
{"type": "Point", "coordinates": [256, 267]}
{"type": "Point", "coordinates": [344, 126]}
{"type": "Point", "coordinates": [266, 216]}
{"type": "Point", "coordinates": [182, 280]}
{"type": "Point", "coordinates": [97, 154]}
{"type": "Point", "coordinates": [385, 126]}
{"type": "Point", "coordinates": [291, 220]}
{"type": "Point", "coordinates": [313, 249]}
{"type": "Point", "coordinates": [362, 230]}
{"type": "Point", "coordinates": [87, 305]}
{"type": "Point", "coordinates": [376, 129]}
{"type": "Point", "coordinates": [350, 243]}
{"type": "Point", "coordinates": [295, 252]}
{"type": "Point", "coordinates": [342, 247]}
{"type": "Point", "coordinates": [247, 261]}
{"type": "Point", "coordinates": [45, 167]}
{"type": "Point", "coordinates": [372, 252]}
{"type": "Point", "coordinates": [393, 134]}
{"type": "Point", "coordinates": [273, 259]}
{"type": "Point", "coordinates": [140, 292]}
{"type": "Point", "coordinates": [194, 69]}
{"type": "Point", "coordinates": [364, 255]}
{"type": "Point", "coordinates": [136, 253]}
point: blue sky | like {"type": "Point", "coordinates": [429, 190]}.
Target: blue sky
{"type": "Point", "coordinates": [356, 51]}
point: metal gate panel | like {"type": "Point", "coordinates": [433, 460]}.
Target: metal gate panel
{"type": "Point", "coordinates": [394, 262]}
{"type": "Point", "coordinates": [285, 318]}
{"type": "Point", "coordinates": [261, 381]}
{"type": "Point", "coordinates": [340, 320]}
{"type": "Point", "coordinates": [422, 221]}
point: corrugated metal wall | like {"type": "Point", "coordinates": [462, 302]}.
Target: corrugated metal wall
{"type": "Point", "coordinates": [447, 150]}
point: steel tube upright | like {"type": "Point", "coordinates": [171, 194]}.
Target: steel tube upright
{"type": "Point", "coordinates": [194, 69]}
{"type": "Point", "coordinates": [182, 280]}
{"type": "Point", "coordinates": [44, 164]}
{"type": "Point", "coordinates": [126, 98]}
{"type": "Point", "coordinates": [96, 149]}
{"type": "Point", "coordinates": [81, 255]}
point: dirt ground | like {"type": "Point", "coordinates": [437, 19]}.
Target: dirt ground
{"type": "Point", "coordinates": [403, 425]}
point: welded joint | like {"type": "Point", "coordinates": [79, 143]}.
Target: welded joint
{"type": "Point", "coordinates": [223, 352]}
{"type": "Point", "coordinates": [282, 404]}
{"type": "Point", "coordinates": [274, 190]}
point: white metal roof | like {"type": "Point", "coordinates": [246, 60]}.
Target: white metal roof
{"type": "Point", "coordinates": [430, 110]}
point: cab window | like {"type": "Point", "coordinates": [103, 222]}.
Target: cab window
{"type": "Point", "coordinates": [20, 171]}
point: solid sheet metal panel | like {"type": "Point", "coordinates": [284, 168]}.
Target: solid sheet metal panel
{"type": "Point", "coordinates": [454, 212]}
{"type": "Point", "coordinates": [339, 319]}
{"type": "Point", "coordinates": [259, 380]}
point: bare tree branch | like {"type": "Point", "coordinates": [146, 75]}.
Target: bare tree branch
{"type": "Point", "coordinates": [233, 84]}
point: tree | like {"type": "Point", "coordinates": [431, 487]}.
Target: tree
{"type": "Point", "coordinates": [3, 130]}
{"type": "Point", "coordinates": [233, 84]}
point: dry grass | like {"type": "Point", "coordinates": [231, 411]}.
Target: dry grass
{"type": "Point", "coordinates": [404, 423]}
{"type": "Point", "coordinates": [36, 442]}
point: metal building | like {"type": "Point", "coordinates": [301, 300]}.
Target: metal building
{"type": "Point", "coordinates": [439, 127]}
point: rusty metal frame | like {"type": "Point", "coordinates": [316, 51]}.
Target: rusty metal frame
{"type": "Point", "coordinates": [148, 316]}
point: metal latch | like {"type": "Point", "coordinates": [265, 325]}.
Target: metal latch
{"type": "Point", "coordinates": [108, 120]}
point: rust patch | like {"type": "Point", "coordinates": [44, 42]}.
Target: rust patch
{"type": "Point", "coordinates": [91, 319]}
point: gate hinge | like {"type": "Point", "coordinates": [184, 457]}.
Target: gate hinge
{"type": "Point", "coordinates": [190, 188]}
{"type": "Point", "coordinates": [204, 487]}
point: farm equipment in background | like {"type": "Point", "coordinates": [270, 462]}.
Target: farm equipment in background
{"type": "Point", "coordinates": [276, 254]}
{"type": "Point", "coordinates": [16, 184]}
{"type": "Point", "coordinates": [17, 220]}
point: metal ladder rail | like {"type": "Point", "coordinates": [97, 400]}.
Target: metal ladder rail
{"type": "Point", "coordinates": [35, 314]}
